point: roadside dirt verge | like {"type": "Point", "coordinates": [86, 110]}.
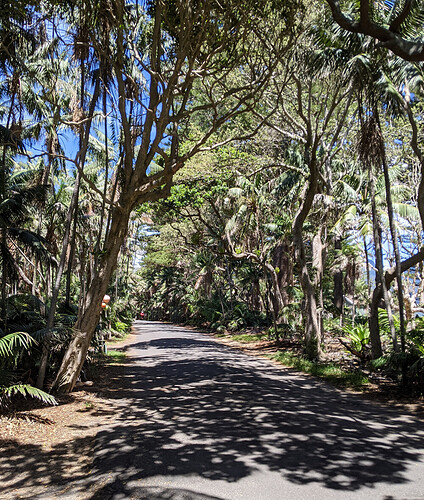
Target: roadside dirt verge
{"type": "Point", "coordinates": [42, 446]}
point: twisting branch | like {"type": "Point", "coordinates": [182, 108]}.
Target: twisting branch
{"type": "Point", "coordinates": [409, 50]}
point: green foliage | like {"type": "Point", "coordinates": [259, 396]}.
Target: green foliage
{"type": "Point", "coordinates": [416, 372]}
{"type": "Point", "coordinates": [25, 390]}
{"type": "Point", "coordinates": [326, 371]}
{"type": "Point", "coordinates": [120, 326]}
{"type": "Point", "coordinates": [26, 313]}
{"type": "Point", "coordinates": [383, 321]}
{"type": "Point", "coordinates": [8, 344]}
{"type": "Point", "coordinates": [206, 247]}
{"type": "Point", "coordinates": [359, 336]}
{"type": "Point", "coordinates": [400, 360]}
{"type": "Point", "coordinates": [417, 335]}
{"type": "Point", "coordinates": [283, 331]}
{"type": "Point", "coordinates": [119, 315]}
{"type": "Point", "coordinates": [397, 364]}
{"type": "Point", "coordinates": [249, 337]}
{"type": "Point", "coordinates": [235, 324]}
{"type": "Point", "coordinates": [115, 356]}
{"type": "Point", "coordinates": [379, 363]}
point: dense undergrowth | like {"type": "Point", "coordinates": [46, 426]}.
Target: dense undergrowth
{"type": "Point", "coordinates": [24, 332]}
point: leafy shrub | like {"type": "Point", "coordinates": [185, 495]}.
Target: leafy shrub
{"type": "Point", "coordinates": [120, 326]}
{"type": "Point", "coordinates": [327, 371]}
{"type": "Point", "coordinates": [416, 371]}
{"type": "Point", "coordinates": [416, 336]}
{"type": "Point", "coordinates": [379, 363]}
{"type": "Point", "coordinates": [284, 330]}
{"type": "Point", "coordinates": [235, 324]}
{"type": "Point", "coordinates": [383, 321]}
{"type": "Point", "coordinates": [9, 387]}
{"type": "Point", "coordinates": [397, 363]}
{"type": "Point", "coordinates": [359, 336]}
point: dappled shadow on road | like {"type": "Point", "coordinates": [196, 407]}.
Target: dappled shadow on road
{"type": "Point", "coordinates": [186, 406]}
{"type": "Point", "coordinates": [220, 415]}
{"type": "Point", "coordinates": [118, 489]}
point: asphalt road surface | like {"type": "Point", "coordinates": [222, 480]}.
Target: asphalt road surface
{"type": "Point", "coordinates": [207, 422]}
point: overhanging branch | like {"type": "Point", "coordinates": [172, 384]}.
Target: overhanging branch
{"type": "Point", "coordinates": [390, 38]}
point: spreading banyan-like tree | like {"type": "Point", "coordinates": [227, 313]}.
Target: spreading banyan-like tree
{"type": "Point", "coordinates": [152, 86]}
{"type": "Point", "coordinates": [160, 52]}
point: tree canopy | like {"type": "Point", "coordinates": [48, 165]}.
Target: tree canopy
{"type": "Point", "coordinates": [232, 165]}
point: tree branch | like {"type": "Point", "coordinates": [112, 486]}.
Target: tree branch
{"type": "Point", "coordinates": [406, 49]}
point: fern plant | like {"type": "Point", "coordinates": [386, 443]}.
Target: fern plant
{"type": "Point", "coordinates": [8, 345]}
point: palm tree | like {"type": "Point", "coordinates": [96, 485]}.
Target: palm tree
{"type": "Point", "coordinates": [20, 194]}
{"type": "Point", "coordinates": [377, 80]}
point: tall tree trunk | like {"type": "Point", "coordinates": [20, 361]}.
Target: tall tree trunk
{"type": "Point", "coordinates": [277, 301]}
{"type": "Point", "coordinates": [55, 294]}
{"type": "Point", "coordinates": [283, 261]}
{"type": "Point", "coordinates": [313, 334]}
{"type": "Point", "coordinates": [69, 220]}
{"type": "Point", "coordinates": [271, 302]}
{"type": "Point", "coordinates": [394, 243]}
{"type": "Point", "coordinates": [102, 210]}
{"type": "Point", "coordinates": [380, 281]}
{"type": "Point", "coordinates": [397, 260]}
{"type": "Point", "coordinates": [367, 266]}
{"type": "Point", "coordinates": [71, 256]}
{"type": "Point", "coordinates": [319, 257]}
{"type": "Point", "coordinates": [3, 229]}
{"type": "Point", "coordinates": [338, 281]}
{"type": "Point", "coordinates": [255, 295]}
{"type": "Point", "coordinates": [377, 294]}
{"type": "Point", "coordinates": [90, 314]}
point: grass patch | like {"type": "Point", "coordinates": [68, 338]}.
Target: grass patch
{"type": "Point", "coordinates": [249, 337]}
{"type": "Point", "coordinates": [120, 338]}
{"type": "Point", "coordinates": [115, 356]}
{"type": "Point", "coordinates": [327, 371]}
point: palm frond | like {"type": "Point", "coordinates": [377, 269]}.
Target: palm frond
{"type": "Point", "coordinates": [412, 25]}
{"type": "Point", "coordinates": [27, 390]}
{"type": "Point", "coordinates": [407, 211]}
{"type": "Point", "coordinates": [35, 242]}
{"type": "Point", "coordinates": [9, 342]}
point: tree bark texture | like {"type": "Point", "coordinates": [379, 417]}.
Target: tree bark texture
{"type": "Point", "coordinates": [373, 320]}
{"type": "Point", "coordinates": [313, 333]}
{"type": "Point", "coordinates": [338, 282]}
{"type": "Point", "coordinates": [89, 316]}
{"type": "Point", "coordinates": [284, 262]}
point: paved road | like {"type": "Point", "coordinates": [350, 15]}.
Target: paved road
{"type": "Point", "coordinates": [206, 422]}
